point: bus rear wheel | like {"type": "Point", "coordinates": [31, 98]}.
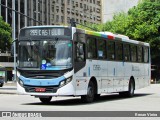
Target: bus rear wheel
{"type": "Point", "coordinates": [90, 93]}
{"type": "Point", "coordinates": [46, 99]}
{"type": "Point", "coordinates": [130, 92]}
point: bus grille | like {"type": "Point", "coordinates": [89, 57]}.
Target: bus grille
{"type": "Point", "coordinates": [49, 89]}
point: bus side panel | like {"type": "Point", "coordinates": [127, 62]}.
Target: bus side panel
{"type": "Point", "coordinates": [81, 82]}
{"type": "Point", "coordinates": [119, 79]}
{"type": "Point", "coordinates": [141, 75]}
{"type": "Point", "coordinates": [127, 74]}
{"type": "Point", "coordinates": [105, 83]}
{"type": "Point", "coordinates": [111, 75]}
{"type": "Point", "coordinates": [147, 73]}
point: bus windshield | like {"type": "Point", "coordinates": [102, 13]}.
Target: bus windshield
{"type": "Point", "coordinates": [45, 54]}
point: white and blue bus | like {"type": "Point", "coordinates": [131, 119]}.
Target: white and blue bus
{"type": "Point", "coordinates": [66, 61]}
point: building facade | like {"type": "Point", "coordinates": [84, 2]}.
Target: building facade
{"type": "Point", "coordinates": [82, 11]}
{"type": "Point", "coordinates": [45, 12]}
{"type": "Point", "coordinates": [51, 12]}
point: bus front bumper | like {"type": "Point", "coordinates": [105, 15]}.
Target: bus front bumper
{"type": "Point", "coordinates": [63, 91]}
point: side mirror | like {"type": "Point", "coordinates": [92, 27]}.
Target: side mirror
{"type": "Point", "coordinates": [14, 42]}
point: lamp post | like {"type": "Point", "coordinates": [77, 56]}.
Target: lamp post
{"type": "Point", "coordinates": [13, 37]}
{"type": "Point", "coordinates": [25, 9]}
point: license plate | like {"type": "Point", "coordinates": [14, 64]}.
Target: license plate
{"type": "Point", "coordinates": [40, 89]}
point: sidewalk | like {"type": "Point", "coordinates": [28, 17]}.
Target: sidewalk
{"type": "Point", "coordinates": [9, 88]}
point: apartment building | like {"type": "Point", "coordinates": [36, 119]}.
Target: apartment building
{"type": "Point", "coordinates": [46, 12]}
{"type": "Point", "coordinates": [82, 11]}
{"type": "Point", "coordinates": [51, 12]}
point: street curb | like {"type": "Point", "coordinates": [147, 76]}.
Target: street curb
{"type": "Point", "coordinates": [9, 88]}
{"type": "Point", "coordinates": [8, 93]}
{"type": "Point", "coordinates": [10, 84]}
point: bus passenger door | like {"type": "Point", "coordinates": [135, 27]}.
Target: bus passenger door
{"type": "Point", "coordinates": [79, 68]}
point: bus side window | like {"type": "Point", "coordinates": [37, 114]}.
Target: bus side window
{"type": "Point", "coordinates": [101, 48]}
{"type": "Point", "coordinates": [80, 52]}
{"type": "Point", "coordinates": [140, 54]}
{"type": "Point", "coordinates": [111, 50]}
{"type": "Point", "coordinates": [133, 53]}
{"type": "Point", "coordinates": [91, 48]}
{"type": "Point", "coordinates": [146, 54]}
{"type": "Point", "coordinates": [119, 51]}
{"type": "Point", "coordinates": [126, 50]}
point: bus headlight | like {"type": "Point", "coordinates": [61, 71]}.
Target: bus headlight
{"type": "Point", "coordinates": [69, 80]}
{"type": "Point", "coordinates": [64, 82]}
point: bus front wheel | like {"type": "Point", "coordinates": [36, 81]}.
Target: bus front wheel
{"type": "Point", "coordinates": [45, 100]}
{"type": "Point", "coordinates": [90, 93]}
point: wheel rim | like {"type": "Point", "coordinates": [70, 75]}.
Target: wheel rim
{"type": "Point", "coordinates": [90, 92]}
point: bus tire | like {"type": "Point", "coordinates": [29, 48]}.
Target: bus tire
{"type": "Point", "coordinates": [90, 93]}
{"type": "Point", "coordinates": [130, 92]}
{"type": "Point", "coordinates": [97, 96]}
{"type": "Point", "coordinates": [45, 100]}
{"type": "Point", "coordinates": [1, 85]}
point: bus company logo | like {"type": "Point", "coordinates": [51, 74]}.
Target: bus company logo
{"type": "Point", "coordinates": [96, 67]}
{"type": "Point", "coordinates": [6, 114]}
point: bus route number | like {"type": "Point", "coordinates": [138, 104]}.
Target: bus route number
{"type": "Point", "coordinates": [39, 32]}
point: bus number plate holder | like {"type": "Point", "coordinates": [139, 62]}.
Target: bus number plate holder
{"type": "Point", "coordinates": [40, 89]}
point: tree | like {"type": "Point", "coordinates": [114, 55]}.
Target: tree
{"type": "Point", "coordinates": [142, 23]}
{"type": "Point", "coordinates": [5, 36]}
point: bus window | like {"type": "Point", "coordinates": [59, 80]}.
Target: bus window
{"type": "Point", "coordinates": [119, 52]}
{"type": "Point", "coordinates": [91, 47]}
{"type": "Point", "coordinates": [126, 52]}
{"type": "Point", "coordinates": [80, 52]}
{"type": "Point", "coordinates": [101, 49]}
{"type": "Point", "coordinates": [146, 53]}
{"type": "Point", "coordinates": [139, 51]}
{"type": "Point", "coordinates": [111, 50]}
{"type": "Point", "coordinates": [133, 53]}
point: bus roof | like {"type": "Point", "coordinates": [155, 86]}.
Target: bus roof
{"type": "Point", "coordinates": [112, 36]}
{"type": "Point", "coordinates": [44, 26]}
{"type": "Point", "coordinates": [105, 34]}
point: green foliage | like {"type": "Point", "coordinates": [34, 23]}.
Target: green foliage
{"type": "Point", "coordinates": [5, 35]}
{"type": "Point", "coordinates": [140, 23]}
{"type": "Point", "coordinates": [89, 26]}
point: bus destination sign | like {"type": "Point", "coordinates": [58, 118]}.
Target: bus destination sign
{"type": "Point", "coordinates": [46, 32]}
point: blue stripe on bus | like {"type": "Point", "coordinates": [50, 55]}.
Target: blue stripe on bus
{"type": "Point", "coordinates": [114, 73]}
{"type": "Point", "coordinates": [104, 36]}
{"type": "Point", "coordinates": [89, 71]}
{"type": "Point", "coordinates": [42, 82]}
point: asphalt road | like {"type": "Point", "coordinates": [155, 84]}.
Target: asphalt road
{"type": "Point", "coordinates": [146, 99]}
